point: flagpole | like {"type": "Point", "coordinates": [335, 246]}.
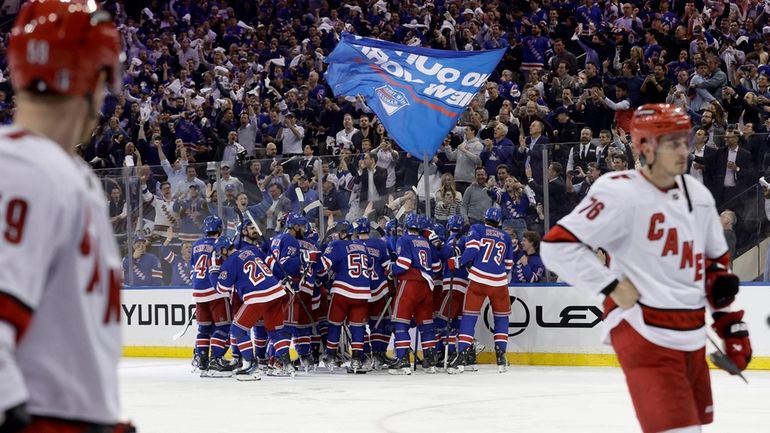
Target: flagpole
{"type": "Point", "coordinates": [426, 183]}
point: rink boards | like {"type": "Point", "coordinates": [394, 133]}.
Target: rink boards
{"type": "Point", "coordinates": [549, 325]}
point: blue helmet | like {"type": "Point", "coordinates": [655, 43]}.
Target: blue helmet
{"type": "Point", "coordinates": [455, 222]}
{"type": "Point", "coordinates": [412, 221]}
{"type": "Point", "coordinates": [211, 224]}
{"type": "Point", "coordinates": [494, 214]}
{"type": "Point", "coordinates": [344, 227]}
{"type": "Point", "coordinates": [296, 219]}
{"type": "Point", "coordinates": [223, 242]}
{"type": "Point", "coordinates": [362, 225]}
{"type": "Point", "coordinates": [244, 225]}
{"type": "Point", "coordinates": [424, 222]}
{"type": "Point", "coordinates": [439, 230]}
{"type": "Point", "coordinates": [391, 227]}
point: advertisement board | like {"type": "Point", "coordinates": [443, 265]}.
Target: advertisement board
{"type": "Point", "coordinates": [549, 325]}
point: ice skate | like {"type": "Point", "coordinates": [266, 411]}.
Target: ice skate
{"type": "Point", "coordinates": [236, 362]}
{"type": "Point", "coordinates": [306, 363]}
{"type": "Point", "coordinates": [429, 361]}
{"type": "Point", "coordinates": [457, 360]}
{"type": "Point", "coordinates": [249, 371]}
{"type": "Point", "coordinates": [218, 367]}
{"type": "Point", "coordinates": [400, 367]}
{"type": "Point", "coordinates": [470, 357]}
{"type": "Point", "coordinates": [200, 362]}
{"type": "Point", "coordinates": [283, 367]}
{"type": "Point", "coordinates": [357, 364]}
{"type": "Point", "coordinates": [502, 362]}
{"type": "Point", "coordinates": [381, 360]}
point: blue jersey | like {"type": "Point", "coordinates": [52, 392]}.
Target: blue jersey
{"type": "Point", "coordinates": [392, 243]}
{"type": "Point", "coordinates": [200, 261]}
{"type": "Point", "coordinates": [180, 269]}
{"type": "Point", "coordinates": [489, 252]}
{"type": "Point", "coordinates": [146, 271]}
{"type": "Point", "coordinates": [533, 52]}
{"type": "Point", "coordinates": [285, 248]}
{"type": "Point", "coordinates": [454, 247]}
{"type": "Point", "coordinates": [307, 281]}
{"type": "Point", "coordinates": [244, 272]}
{"type": "Point", "coordinates": [415, 260]}
{"type": "Point", "coordinates": [349, 261]}
{"type": "Point", "coordinates": [532, 272]}
{"type": "Point", "coordinates": [379, 259]}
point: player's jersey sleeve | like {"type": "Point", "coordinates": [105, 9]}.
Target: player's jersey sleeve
{"type": "Point", "coordinates": [403, 255]}
{"type": "Point", "coordinates": [598, 221]}
{"type": "Point", "coordinates": [508, 253]}
{"type": "Point", "coordinates": [472, 247]}
{"type": "Point", "coordinates": [227, 275]}
{"type": "Point", "coordinates": [327, 260]}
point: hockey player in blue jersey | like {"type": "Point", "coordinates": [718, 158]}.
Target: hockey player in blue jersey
{"type": "Point", "coordinates": [348, 260]}
{"type": "Point", "coordinates": [391, 237]}
{"type": "Point", "coordinates": [378, 304]}
{"type": "Point", "coordinates": [212, 309]}
{"type": "Point", "coordinates": [244, 272]}
{"type": "Point", "coordinates": [489, 253]}
{"type": "Point", "coordinates": [146, 269]}
{"type": "Point", "coordinates": [287, 247]}
{"type": "Point", "coordinates": [453, 290]}
{"type": "Point", "coordinates": [413, 267]}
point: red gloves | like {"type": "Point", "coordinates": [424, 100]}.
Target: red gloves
{"type": "Point", "coordinates": [731, 328]}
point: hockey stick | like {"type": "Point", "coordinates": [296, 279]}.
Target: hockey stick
{"type": "Point", "coordinates": [179, 335]}
{"type": "Point", "coordinates": [449, 317]}
{"type": "Point", "coordinates": [722, 361]}
{"type": "Point", "coordinates": [300, 198]}
{"type": "Point", "coordinates": [382, 315]}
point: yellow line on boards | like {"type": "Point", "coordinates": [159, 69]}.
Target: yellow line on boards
{"type": "Point", "coordinates": [514, 358]}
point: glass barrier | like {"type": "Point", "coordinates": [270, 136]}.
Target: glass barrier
{"type": "Point", "coordinates": [157, 211]}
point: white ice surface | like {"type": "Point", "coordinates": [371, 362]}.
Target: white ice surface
{"type": "Point", "coordinates": [163, 396]}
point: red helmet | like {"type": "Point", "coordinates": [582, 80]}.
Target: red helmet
{"type": "Point", "coordinates": [650, 121]}
{"type": "Point", "coordinates": [61, 47]}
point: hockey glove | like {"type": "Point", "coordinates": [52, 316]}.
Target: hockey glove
{"type": "Point", "coordinates": [216, 263]}
{"type": "Point", "coordinates": [435, 240]}
{"type": "Point", "coordinates": [309, 257]}
{"type": "Point", "coordinates": [731, 328]}
{"type": "Point", "coordinates": [453, 263]}
{"type": "Point", "coordinates": [721, 285]}
{"type": "Point", "coordinates": [14, 419]}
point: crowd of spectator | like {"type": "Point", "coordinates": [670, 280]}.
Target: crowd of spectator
{"type": "Point", "coordinates": [240, 83]}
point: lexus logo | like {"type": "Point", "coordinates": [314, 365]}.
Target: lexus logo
{"type": "Point", "coordinates": [571, 316]}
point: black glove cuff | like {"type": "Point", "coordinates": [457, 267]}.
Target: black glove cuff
{"type": "Point", "coordinates": [610, 287]}
{"type": "Point", "coordinates": [16, 418]}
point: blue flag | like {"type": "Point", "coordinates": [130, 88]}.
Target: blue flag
{"type": "Point", "coordinates": [417, 93]}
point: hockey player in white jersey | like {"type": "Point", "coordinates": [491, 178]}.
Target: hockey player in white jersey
{"type": "Point", "coordinates": [60, 271]}
{"type": "Point", "coordinates": [668, 254]}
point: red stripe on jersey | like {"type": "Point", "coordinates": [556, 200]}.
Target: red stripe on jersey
{"type": "Point", "coordinates": [676, 319]}
{"type": "Point", "coordinates": [404, 263]}
{"type": "Point", "coordinates": [560, 234]}
{"type": "Point", "coordinates": [723, 260]}
{"type": "Point", "coordinates": [15, 135]}
{"type": "Point", "coordinates": [487, 276]}
{"type": "Point", "coordinates": [15, 312]}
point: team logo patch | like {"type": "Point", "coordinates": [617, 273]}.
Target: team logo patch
{"type": "Point", "coordinates": [223, 275]}
{"type": "Point", "coordinates": [391, 99]}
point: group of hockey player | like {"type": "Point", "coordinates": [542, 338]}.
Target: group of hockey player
{"type": "Point", "coordinates": [323, 294]}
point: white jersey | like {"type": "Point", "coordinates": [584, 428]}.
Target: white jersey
{"type": "Point", "coordinates": [654, 240]}
{"type": "Point", "coordinates": [60, 280]}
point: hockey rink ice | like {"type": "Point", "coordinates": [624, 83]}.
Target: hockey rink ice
{"type": "Point", "coordinates": [163, 396]}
